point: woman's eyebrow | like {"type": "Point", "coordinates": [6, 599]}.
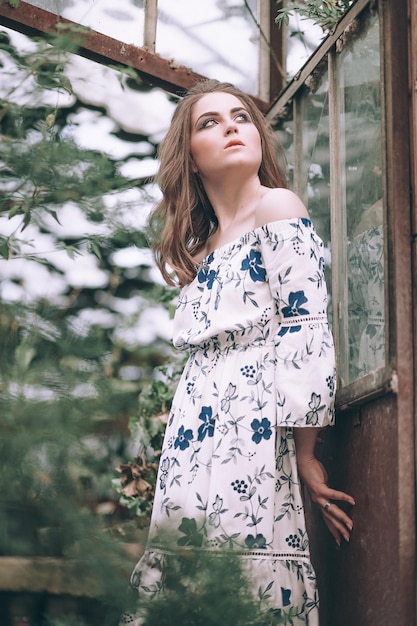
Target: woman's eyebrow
{"type": "Point", "coordinates": [207, 114]}
{"type": "Point", "coordinates": [216, 113]}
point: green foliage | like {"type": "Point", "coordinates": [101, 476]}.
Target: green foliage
{"type": "Point", "coordinates": [65, 401]}
{"type": "Point", "coordinates": [51, 449]}
{"type": "Point", "coordinates": [41, 170]}
{"type": "Point", "coordinates": [203, 589]}
{"type": "Point", "coordinates": [138, 478]}
{"type": "Point", "coordinates": [325, 13]}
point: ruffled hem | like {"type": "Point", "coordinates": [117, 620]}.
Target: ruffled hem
{"type": "Point", "coordinates": [283, 583]}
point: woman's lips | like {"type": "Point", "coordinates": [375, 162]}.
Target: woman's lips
{"type": "Point", "coordinates": [235, 142]}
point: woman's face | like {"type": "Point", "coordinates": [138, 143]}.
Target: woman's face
{"type": "Point", "coordinates": [223, 137]}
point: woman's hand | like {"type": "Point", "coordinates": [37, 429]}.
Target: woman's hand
{"type": "Point", "coordinates": [314, 477]}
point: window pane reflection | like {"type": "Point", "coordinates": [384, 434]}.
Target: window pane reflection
{"type": "Point", "coordinates": [303, 132]}
{"type": "Point", "coordinates": [363, 329]}
{"type": "Point", "coordinates": [123, 20]}
{"type": "Point", "coordinates": [312, 173]}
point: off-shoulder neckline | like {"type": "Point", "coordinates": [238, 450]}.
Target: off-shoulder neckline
{"type": "Point", "coordinates": [234, 242]}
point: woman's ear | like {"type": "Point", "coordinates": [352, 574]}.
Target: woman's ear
{"type": "Point", "coordinates": [194, 167]}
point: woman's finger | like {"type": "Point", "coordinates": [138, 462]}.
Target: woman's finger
{"type": "Point", "coordinates": [337, 519]}
{"type": "Point", "coordinates": [333, 531]}
{"type": "Point", "coordinates": [333, 494]}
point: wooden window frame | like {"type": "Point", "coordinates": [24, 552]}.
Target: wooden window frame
{"type": "Point", "coordinates": [385, 379]}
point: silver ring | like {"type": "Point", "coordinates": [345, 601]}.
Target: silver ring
{"type": "Point", "coordinates": [327, 505]}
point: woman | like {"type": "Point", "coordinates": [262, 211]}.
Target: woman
{"type": "Point", "coordinates": [260, 379]}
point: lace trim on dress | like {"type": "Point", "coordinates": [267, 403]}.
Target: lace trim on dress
{"type": "Point", "coordinates": [265, 554]}
{"type": "Point", "coordinates": [303, 319]}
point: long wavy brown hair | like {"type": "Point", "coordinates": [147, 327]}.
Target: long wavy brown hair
{"type": "Point", "coordinates": [184, 219]}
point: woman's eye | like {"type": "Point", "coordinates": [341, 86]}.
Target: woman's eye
{"type": "Point", "coordinates": [242, 117]}
{"type": "Point", "coordinates": [207, 123]}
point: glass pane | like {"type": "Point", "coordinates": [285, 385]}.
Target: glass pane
{"type": "Point", "coordinates": [123, 20]}
{"type": "Point", "coordinates": [313, 183]}
{"type": "Point", "coordinates": [283, 125]}
{"type": "Point", "coordinates": [303, 38]}
{"type": "Point", "coordinates": [222, 41]}
{"type": "Point", "coordinates": [303, 131]}
{"type": "Point", "coordinates": [312, 174]}
{"type": "Point", "coordinates": [362, 267]}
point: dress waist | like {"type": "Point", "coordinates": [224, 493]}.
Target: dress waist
{"type": "Point", "coordinates": [214, 347]}
{"type": "Point", "coordinates": [248, 338]}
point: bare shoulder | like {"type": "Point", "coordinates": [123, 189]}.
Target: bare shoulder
{"type": "Point", "coordinates": [279, 204]}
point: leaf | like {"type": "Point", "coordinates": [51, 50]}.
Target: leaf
{"type": "Point", "coordinates": [24, 355]}
{"type": "Point", "coordinates": [15, 210]}
{"type": "Point", "coordinates": [325, 14]}
{"type": "Point", "coordinates": [72, 251]}
{"type": "Point", "coordinates": [65, 83]}
{"type": "Point", "coordinates": [4, 248]}
{"type": "Point", "coordinates": [54, 214]}
{"type": "Point", "coordinates": [26, 220]}
{"type": "Point", "coordinates": [95, 249]}
{"type": "Point", "coordinates": [192, 537]}
{"type": "Point", "coordinates": [297, 33]}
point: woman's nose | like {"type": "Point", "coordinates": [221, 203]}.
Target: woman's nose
{"type": "Point", "coordinates": [231, 128]}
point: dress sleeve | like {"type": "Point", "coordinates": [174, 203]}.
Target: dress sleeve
{"type": "Point", "coordinates": [292, 254]}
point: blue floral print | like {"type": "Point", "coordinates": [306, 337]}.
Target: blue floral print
{"type": "Point", "coordinates": [294, 308]}
{"type": "Point", "coordinates": [240, 486]}
{"type": "Point", "coordinates": [205, 274]}
{"type": "Point", "coordinates": [183, 438]}
{"type": "Point", "coordinates": [228, 475]}
{"type": "Point", "coordinates": [295, 300]}
{"type": "Point", "coordinates": [207, 428]}
{"type": "Point", "coordinates": [286, 596]}
{"type": "Point", "coordinates": [253, 263]}
{"type": "Point", "coordinates": [208, 276]}
{"type": "Point", "coordinates": [262, 429]}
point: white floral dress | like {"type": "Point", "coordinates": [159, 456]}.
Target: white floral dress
{"type": "Point", "coordinates": [261, 361]}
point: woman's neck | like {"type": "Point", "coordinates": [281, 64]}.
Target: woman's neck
{"type": "Point", "coordinates": [234, 206]}
{"type": "Point", "coordinates": [232, 201]}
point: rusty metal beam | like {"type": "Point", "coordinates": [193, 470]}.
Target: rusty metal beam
{"type": "Point", "coordinates": [152, 69]}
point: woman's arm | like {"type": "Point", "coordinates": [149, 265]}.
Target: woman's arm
{"type": "Point", "coordinates": [314, 477]}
